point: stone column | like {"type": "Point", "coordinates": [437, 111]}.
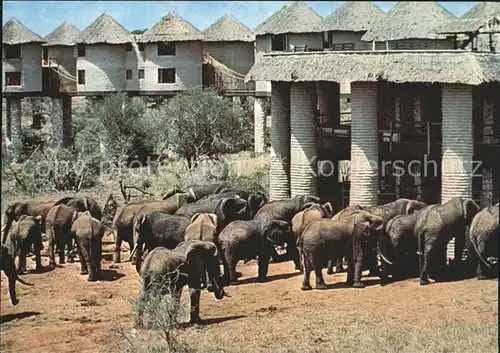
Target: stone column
{"type": "Point", "coordinates": [364, 145]}
{"type": "Point", "coordinates": [488, 136]}
{"type": "Point", "coordinates": [458, 146]}
{"type": "Point", "coordinates": [303, 148]}
{"type": "Point", "coordinates": [56, 120]}
{"type": "Point", "coordinates": [279, 170]}
{"type": "Point", "coordinates": [67, 128]}
{"type": "Point", "coordinates": [35, 112]}
{"type": "Point", "coordinates": [259, 126]}
{"type": "Point", "coordinates": [329, 102]}
{"type": "Point", "coordinates": [14, 114]}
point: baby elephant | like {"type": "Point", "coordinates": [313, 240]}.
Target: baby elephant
{"type": "Point", "coordinates": [88, 233]}
{"type": "Point", "coordinates": [203, 227]}
{"type": "Point", "coordinates": [25, 233]}
{"type": "Point", "coordinates": [247, 239]}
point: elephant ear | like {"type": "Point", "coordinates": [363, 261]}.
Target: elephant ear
{"type": "Point", "coordinates": [256, 201]}
{"type": "Point", "coordinates": [414, 205]}
{"type": "Point", "coordinates": [470, 209]}
{"type": "Point", "coordinates": [210, 248]}
{"type": "Point", "coordinates": [195, 216]}
{"type": "Point", "coordinates": [377, 223]}
{"type": "Point", "coordinates": [307, 205]}
{"type": "Point", "coordinates": [172, 192]}
{"type": "Point", "coordinates": [194, 252]}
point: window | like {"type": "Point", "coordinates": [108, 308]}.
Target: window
{"type": "Point", "coordinates": [128, 47]}
{"type": "Point", "coordinates": [128, 74]}
{"type": "Point", "coordinates": [80, 50]}
{"type": "Point", "coordinates": [279, 42]}
{"type": "Point", "coordinates": [13, 78]}
{"type": "Point", "coordinates": [141, 74]}
{"type": "Point", "coordinates": [166, 75]}
{"type": "Point", "coordinates": [141, 46]}
{"type": "Point", "coordinates": [81, 77]}
{"type": "Point", "coordinates": [12, 51]}
{"type": "Point", "coordinates": [166, 48]}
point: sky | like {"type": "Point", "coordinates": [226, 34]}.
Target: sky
{"type": "Point", "coordinates": [43, 17]}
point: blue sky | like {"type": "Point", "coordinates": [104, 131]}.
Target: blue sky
{"type": "Point", "coordinates": [44, 16]}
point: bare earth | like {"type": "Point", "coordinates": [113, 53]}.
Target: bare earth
{"type": "Point", "coordinates": [63, 312]}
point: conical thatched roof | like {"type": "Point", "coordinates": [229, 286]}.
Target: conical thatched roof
{"type": "Point", "coordinates": [14, 32]}
{"type": "Point", "coordinates": [296, 18]}
{"type": "Point", "coordinates": [228, 29]}
{"type": "Point", "coordinates": [410, 19]}
{"type": "Point", "coordinates": [483, 10]}
{"type": "Point", "coordinates": [105, 29]}
{"type": "Point", "coordinates": [354, 16]}
{"type": "Point", "coordinates": [171, 28]}
{"type": "Point", "coordinates": [65, 34]}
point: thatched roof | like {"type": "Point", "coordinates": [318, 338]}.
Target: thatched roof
{"type": "Point", "coordinates": [443, 67]}
{"type": "Point", "coordinates": [410, 19]}
{"type": "Point", "coordinates": [466, 25]}
{"type": "Point", "coordinates": [483, 10]}
{"type": "Point", "coordinates": [296, 18]}
{"type": "Point", "coordinates": [105, 29]}
{"type": "Point", "coordinates": [354, 16]}
{"type": "Point", "coordinates": [228, 29]}
{"type": "Point", "coordinates": [14, 32]}
{"type": "Point", "coordinates": [171, 28]}
{"type": "Point", "coordinates": [66, 34]}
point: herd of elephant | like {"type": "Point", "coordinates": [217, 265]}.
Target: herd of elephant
{"type": "Point", "coordinates": [183, 238]}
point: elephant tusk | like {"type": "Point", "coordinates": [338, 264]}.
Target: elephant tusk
{"type": "Point", "coordinates": [382, 256]}
{"type": "Point", "coordinates": [132, 253]}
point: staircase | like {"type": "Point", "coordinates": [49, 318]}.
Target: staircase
{"type": "Point", "coordinates": [224, 79]}
{"type": "Point", "coordinates": [60, 79]}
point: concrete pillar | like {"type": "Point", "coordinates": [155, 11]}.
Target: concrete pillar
{"type": "Point", "coordinates": [8, 119]}
{"type": "Point", "coordinates": [303, 148]}
{"type": "Point", "coordinates": [67, 126]}
{"type": "Point", "coordinates": [259, 126]}
{"type": "Point", "coordinates": [56, 120]}
{"type": "Point", "coordinates": [329, 102]}
{"type": "Point", "coordinates": [364, 145]}
{"type": "Point", "coordinates": [14, 114]}
{"type": "Point", "coordinates": [488, 136]}
{"type": "Point", "coordinates": [36, 113]}
{"type": "Point", "coordinates": [279, 170]}
{"type": "Point", "coordinates": [458, 146]}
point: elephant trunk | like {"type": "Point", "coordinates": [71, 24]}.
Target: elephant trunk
{"type": "Point", "coordinates": [485, 262]}
{"type": "Point", "coordinates": [131, 256]}
{"type": "Point", "coordinates": [214, 275]}
{"type": "Point", "coordinates": [138, 257]}
{"type": "Point", "coordinates": [12, 289]}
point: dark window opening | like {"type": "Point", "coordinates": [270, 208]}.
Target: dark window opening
{"type": "Point", "coordinates": [45, 54]}
{"type": "Point", "coordinates": [128, 74]}
{"type": "Point", "coordinates": [166, 75]}
{"type": "Point", "coordinates": [141, 46]}
{"type": "Point", "coordinates": [81, 77]}
{"type": "Point", "coordinates": [166, 48]}
{"type": "Point", "coordinates": [13, 78]}
{"type": "Point", "coordinates": [279, 42]}
{"type": "Point", "coordinates": [141, 74]}
{"type": "Point", "coordinates": [80, 48]}
{"type": "Point", "coordinates": [128, 47]}
{"type": "Point", "coordinates": [12, 51]}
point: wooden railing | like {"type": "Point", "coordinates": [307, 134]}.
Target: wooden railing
{"type": "Point", "coordinates": [225, 79]}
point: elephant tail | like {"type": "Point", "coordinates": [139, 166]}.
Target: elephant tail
{"type": "Point", "coordinates": [473, 242]}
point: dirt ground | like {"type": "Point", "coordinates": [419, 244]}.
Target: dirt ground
{"type": "Point", "coordinates": [63, 312]}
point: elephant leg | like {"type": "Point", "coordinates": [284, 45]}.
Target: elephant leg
{"type": "Point", "coordinates": [358, 265]}
{"type": "Point", "coordinates": [295, 254]}
{"type": "Point", "coordinates": [194, 314]}
{"type": "Point", "coordinates": [318, 271]}
{"type": "Point", "coordinates": [339, 267]}
{"type": "Point", "coordinates": [52, 259]}
{"type": "Point", "coordinates": [61, 246]}
{"type": "Point", "coordinates": [131, 246]}
{"type": "Point", "coordinates": [38, 256]}
{"type": "Point", "coordinates": [83, 263]}
{"type": "Point", "coordinates": [480, 275]}
{"type": "Point", "coordinates": [329, 270]}
{"type": "Point", "coordinates": [306, 281]}
{"type": "Point", "coordinates": [384, 276]}
{"type": "Point", "coordinates": [424, 271]}
{"type": "Point", "coordinates": [118, 245]}
{"type": "Point", "coordinates": [350, 269]}
{"type": "Point", "coordinates": [231, 261]}
{"type": "Point", "coordinates": [263, 264]}
{"type": "Point", "coordinates": [23, 252]}
{"type": "Point", "coordinates": [97, 254]}
{"type": "Point", "coordinates": [143, 298]}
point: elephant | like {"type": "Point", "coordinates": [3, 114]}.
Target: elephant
{"type": "Point", "coordinates": [255, 200]}
{"type": "Point", "coordinates": [301, 220]}
{"type": "Point", "coordinates": [484, 234]}
{"type": "Point", "coordinates": [9, 268]}
{"type": "Point", "coordinates": [199, 191]}
{"type": "Point", "coordinates": [58, 229]}
{"type": "Point", "coordinates": [168, 271]}
{"type": "Point", "coordinates": [387, 211]}
{"type": "Point", "coordinates": [82, 204]}
{"type": "Point", "coordinates": [248, 239]}
{"type": "Point", "coordinates": [203, 226]}
{"type": "Point", "coordinates": [123, 223]}
{"type": "Point", "coordinates": [16, 210]}
{"type": "Point", "coordinates": [226, 209]}
{"type": "Point", "coordinates": [25, 233]}
{"type": "Point", "coordinates": [435, 227]}
{"type": "Point", "coordinates": [285, 209]}
{"type": "Point", "coordinates": [324, 239]}
{"type": "Point", "coordinates": [88, 232]}
{"type": "Point", "coordinates": [398, 251]}
{"type": "Point", "coordinates": [346, 212]}
{"type": "Point", "coordinates": [157, 229]}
